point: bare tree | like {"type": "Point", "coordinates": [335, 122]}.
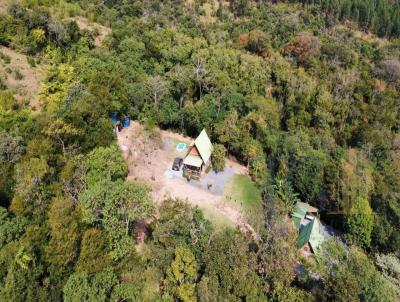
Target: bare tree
{"type": "Point", "coordinates": [156, 88]}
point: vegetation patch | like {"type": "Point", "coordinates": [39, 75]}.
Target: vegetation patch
{"type": "Point", "coordinates": [20, 76]}
{"type": "Point", "coordinates": [242, 192]}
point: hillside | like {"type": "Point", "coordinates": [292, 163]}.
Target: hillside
{"type": "Point", "coordinates": [200, 150]}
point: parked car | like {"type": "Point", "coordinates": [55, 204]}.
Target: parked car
{"type": "Point", "coordinates": [177, 164]}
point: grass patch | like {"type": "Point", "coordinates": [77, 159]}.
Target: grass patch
{"type": "Point", "coordinates": [218, 219]}
{"type": "Point", "coordinates": [243, 193]}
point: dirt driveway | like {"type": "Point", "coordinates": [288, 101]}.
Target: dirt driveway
{"type": "Point", "coordinates": [149, 157]}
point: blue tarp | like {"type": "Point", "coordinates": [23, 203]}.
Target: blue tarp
{"type": "Point", "coordinates": [113, 118]}
{"type": "Point", "coordinates": [127, 122]}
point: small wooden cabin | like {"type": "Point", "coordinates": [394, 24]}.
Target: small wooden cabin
{"type": "Point", "coordinates": [198, 155]}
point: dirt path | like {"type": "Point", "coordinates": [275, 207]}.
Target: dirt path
{"type": "Point", "coordinates": [148, 157]}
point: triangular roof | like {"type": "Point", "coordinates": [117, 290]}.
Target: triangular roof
{"type": "Point", "coordinates": [193, 160]}
{"type": "Point", "coordinates": [312, 233]}
{"type": "Point", "coordinates": [203, 145]}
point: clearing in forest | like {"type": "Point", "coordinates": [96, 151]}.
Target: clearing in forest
{"type": "Point", "coordinates": [20, 77]}
{"type": "Point", "coordinates": [150, 154]}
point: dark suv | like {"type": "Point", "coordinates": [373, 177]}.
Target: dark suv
{"type": "Point", "coordinates": [177, 164]}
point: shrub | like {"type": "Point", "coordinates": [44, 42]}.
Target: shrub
{"type": "Point", "coordinates": [218, 157]}
{"type": "Point", "coordinates": [359, 222]}
{"type": "Point", "coordinates": [31, 61]}
{"type": "Point", "coordinates": [6, 58]}
{"type": "Point", "coordinates": [18, 75]}
{"type": "Point", "coordinates": [2, 85]}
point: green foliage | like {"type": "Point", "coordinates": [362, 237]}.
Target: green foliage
{"type": "Point", "coordinates": [181, 274]}
{"type": "Point", "coordinates": [105, 163]}
{"type": "Point", "coordinates": [11, 228]}
{"type": "Point", "coordinates": [115, 206]}
{"type": "Point", "coordinates": [218, 157]}
{"type": "Point", "coordinates": [308, 175]}
{"type": "Point", "coordinates": [90, 288]}
{"type": "Point", "coordinates": [349, 275]}
{"type": "Point", "coordinates": [277, 249]}
{"type": "Point", "coordinates": [285, 193]}
{"type": "Point", "coordinates": [6, 58]}
{"type": "Point", "coordinates": [227, 255]}
{"type": "Point", "coordinates": [359, 222]}
{"type": "Point", "coordinates": [327, 128]}
{"type": "Point", "coordinates": [11, 147]}
{"type": "Point", "coordinates": [93, 255]}
{"type": "Point", "coordinates": [180, 225]}
{"type": "Point", "coordinates": [290, 294]}
{"type": "Point", "coordinates": [62, 249]}
{"type": "Point", "coordinates": [30, 189]}
{"type": "Point", "coordinates": [367, 13]}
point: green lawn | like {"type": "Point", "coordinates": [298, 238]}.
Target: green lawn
{"type": "Point", "coordinates": [243, 193]}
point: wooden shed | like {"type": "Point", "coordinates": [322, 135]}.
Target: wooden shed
{"type": "Point", "coordinates": [198, 155]}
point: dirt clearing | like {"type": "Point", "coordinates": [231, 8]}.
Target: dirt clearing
{"type": "Point", "coordinates": [150, 154]}
{"type": "Point", "coordinates": [20, 77]}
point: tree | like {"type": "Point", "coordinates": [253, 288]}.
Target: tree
{"type": "Point", "coordinates": [181, 275]}
{"type": "Point", "coordinates": [11, 147]}
{"type": "Point", "coordinates": [357, 178]}
{"type": "Point", "coordinates": [231, 265]}
{"type": "Point", "coordinates": [30, 189]}
{"type": "Point", "coordinates": [62, 248]}
{"type": "Point", "coordinates": [11, 228]}
{"type": "Point", "coordinates": [290, 294]}
{"type": "Point", "coordinates": [349, 275]}
{"type": "Point", "coordinates": [359, 222]}
{"type": "Point", "coordinates": [258, 41]}
{"type": "Point", "coordinates": [62, 132]}
{"type": "Point", "coordinates": [73, 177]}
{"type": "Point", "coordinates": [308, 174]}
{"type": "Point", "coordinates": [277, 249]}
{"type": "Point", "coordinates": [114, 206]}
{"type": "Point", "coordinates": [105, 163]}
{"type": "Point", "coordinates": [179, 225]}
{"type": "Point", "coordinates": [156, 89]}
{"type": "Point", "coordinates": [130, 202]}
{"type": "Point", "coordinates": [240, 7]}
{"type": "Point", "coordinates": [286, 194]}
{"type": "Point", "coordinates": [91, 288]}
{"type": "Point", "coordinates": [303, 48]}
{"type": "Point", "coordinates": [218, 157]}
{"type": "Point", "coordinates": [93, 255]}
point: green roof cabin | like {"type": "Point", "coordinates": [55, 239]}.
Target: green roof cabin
{"type": "Point", "coordinates": [198, 155]}
{"type": "Point", "coordinates": [311, 236]}
{"type": "Point", "coordinates": [300, 212]}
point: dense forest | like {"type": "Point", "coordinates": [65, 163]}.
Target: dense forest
{"type": "Point", "coordinates": [306, 94]}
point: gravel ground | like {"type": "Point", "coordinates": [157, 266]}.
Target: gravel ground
{"type": "Point", "coordinates": [211, 182]}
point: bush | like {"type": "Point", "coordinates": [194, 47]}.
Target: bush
{"type": "Point", "coordinates": [18, 75]}
{"type": "Point", "coordinates": [6, 58]}
{"type": "Point", "coordinates": [359, 222]}
{"type": "Point", "coordinates": [2, 85]}
{"type": "Point", "coordinates": [31, 61]}
{"type": "Point", "coordinates": [218, 157]}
